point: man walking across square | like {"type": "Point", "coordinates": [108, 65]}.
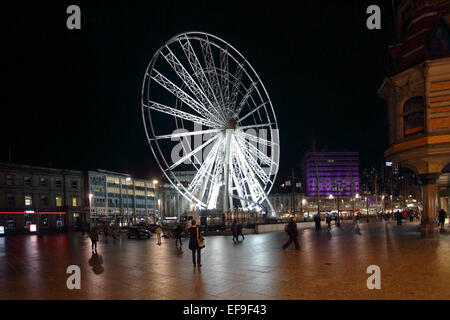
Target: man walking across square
{"type": "Point", "coordinates": [291, 229]}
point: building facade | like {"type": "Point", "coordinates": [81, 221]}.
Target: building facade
{"type": "Point", "coordinates": [52, 199]}
{"type": "Point", "coordinates": [332, 173]}
{"type": "Point", "coordinates": [121, 198]}
{"type": "Point", "coordinates": [417, 92]}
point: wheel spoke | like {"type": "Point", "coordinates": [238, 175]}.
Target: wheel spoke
{"type": "Point", "coordinates": [236, 85]}
{"type": "Point", "coordinates": [185, 134]}
{"type": "Point", "coordinates": [257, 139]}
{"type": "Point", "coordinates": [184, 75]}
{"type": "Point", "coordinates": [180, 114]}
{"type": "Point", "coordinates": [178, 92]}
{"type": "Point", "coordinates": [199, 73]}
{"type": "Point", "coordinates": [225, 77]}
{"type": "Point", "coordinates": [253, 126]}
{"type": "Point", "coordinates": [212, 74]}
{"type": "Point", "coordinates": [190, 154]}
{"type": "Point", "coordinates": [245, 98]}
{"type": "Point", "coordinates": [256, 152]}
{"type": "Point", "coordinates": [251, 112]}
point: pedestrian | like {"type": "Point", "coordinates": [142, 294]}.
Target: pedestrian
{"type": "Point", "coordinates": [195, 243]}
{"type": "Point", "coordinates": [93, 234]}
{"type": "Point", "coordinates": [106, 232]}
{"type": "Point", "coordinates": [239, 231]}
{"type": "Point", "coordinates": [357, 218]}
{"type": "Point", "coordinates": [291, 229]}
{"type": "Point", "coordinates": [442, 217]}
{"type": "Point", "coordinates": [328, 220]}
{"type": "Point", "coordinates": [178, 232]}
{"type": "Point", "coordinates": [158, 231]}
{"type": "Point", "coordinates": [337, 220]}
{"type": "Point", "coordinates": [234, 230]}
{"type": "Point", "coordinates": [399, 217]}
{"type": "Point", "coordinates": [317, 220]}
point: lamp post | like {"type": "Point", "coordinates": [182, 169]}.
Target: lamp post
{"type": "Point", "coordinates": [90, 203]}
{"type": "Point", "coordinates": [354, 201]}
{"type": "Point", "coordinates": [303, 204]}
{"type": "Point", "coordinates": [155, 184]}
{"type": "Point", "coordinates": [338, 188]}
{"type": "Point", "coordinates": [128, 216]}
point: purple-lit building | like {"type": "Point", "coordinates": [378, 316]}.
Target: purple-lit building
{"type": "Point", "coordinates": [335, 173]}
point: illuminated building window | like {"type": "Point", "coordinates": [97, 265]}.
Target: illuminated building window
{"type": "Point", "coordinates": [74, 201]}
{"type": "Point", "coordinates": [58, 201]}
{"type": "Point", "coordinates": [413, 116]}
{"type": "Point", "coordinates": [28, 201]}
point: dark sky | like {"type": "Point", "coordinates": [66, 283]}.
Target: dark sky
{"type": "Point", "coordinates": [73, 97]}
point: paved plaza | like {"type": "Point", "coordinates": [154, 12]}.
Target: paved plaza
{"type": "Point", "coordinates": [330, 265]}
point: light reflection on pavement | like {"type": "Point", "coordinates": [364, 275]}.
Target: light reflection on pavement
{"type": "Point", "coordinates": [329, 265]}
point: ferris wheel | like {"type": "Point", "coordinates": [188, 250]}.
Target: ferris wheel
{"type": "Point", "coordinates": [206, 110]}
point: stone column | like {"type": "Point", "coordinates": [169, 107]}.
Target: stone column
{"type": "Point", "coordinates": [429, 204]}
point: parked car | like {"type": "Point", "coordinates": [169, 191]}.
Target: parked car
{"type": "Point", "coordinates": [138, 232]}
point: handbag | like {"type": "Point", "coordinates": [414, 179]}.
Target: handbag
{"type": "Point", "coordinates": [200, 240]}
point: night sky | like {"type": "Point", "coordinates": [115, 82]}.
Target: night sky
{"type": "Point", "coordinates": [72, 97]}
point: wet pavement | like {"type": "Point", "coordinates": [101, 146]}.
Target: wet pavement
{"type": "Point", "coordinates": [329, 265]}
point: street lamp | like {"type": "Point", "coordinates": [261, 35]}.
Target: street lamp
{"type": "Point", "coordinates": [128, 216]}
{"type": "Point", "coordinates": [155, 184]}
{"type": "Point", "coordinates": [90, 205]}
{"type": "Point", "coordinates": [303, 204]}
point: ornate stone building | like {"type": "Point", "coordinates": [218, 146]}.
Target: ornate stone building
{"type": "Point", "coordinates": [417, 93]}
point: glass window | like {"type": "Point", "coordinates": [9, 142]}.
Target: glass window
{"type": "Point", "coordinates": [9, 179]}
{"type": "Point", "coordinates": [74, 201]}
{"type": "Point", "coordinates": [27, 181]}
{"type": "Point", "coordinates": [28, 201]}
{"type": "Point", "coordinates": [59, 201]}
{"type": "Point", "coordinates": [58, 183]}
{"type": "Point", "coordinates": [74, 184]}
{"type": "Point", "coordinates": [413, 116]}
{"type": "Point", "coordinates": [44, 201]}
{"type": "Point", "coordinates": [43, 182]}
{"type": "Point", "coordinates": [11, 223]}
{"type": "Point", "coordinates": [10, 200]}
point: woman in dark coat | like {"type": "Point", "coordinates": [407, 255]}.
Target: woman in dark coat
{"type": "Point", "coordinates": [194, 235]}
{"type": "Point", "coordinates": [178, 233]}
{"type": "Point", "coordinates": [442, 217]}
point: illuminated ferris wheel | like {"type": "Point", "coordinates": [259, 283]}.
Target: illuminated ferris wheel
{"type": "Point", "coordinates": [201, 93]}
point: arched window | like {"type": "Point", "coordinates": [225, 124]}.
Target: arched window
{"type": "Point", "coordinates": [413, 116]}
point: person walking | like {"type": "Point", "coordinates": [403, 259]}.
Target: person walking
{"type": "Point", "coordinates": [442, 217]}
{"type": "Point", "coordinates": [106, 232]}
{"type": "Point", "coordinates": [317, 220]}
{"type": "Point", "coordinates": [328, 220]}
{"type": "Point", "coordinates": [239, 231]}
{"type": "Point", "coordinates": [194, 243]}
{"type": "Point", "coordinates": [158, 231]}
{"type": "Point", "coordinates": [291, 229]}
{"type": "Point", "coordinates": [93, 234]}
{"type": "Point", "coordinates": [398, 216]}
{"type": "Point", "coordinates": [234, 230]}
{"type": "Point", "coordinates": [178, 232]}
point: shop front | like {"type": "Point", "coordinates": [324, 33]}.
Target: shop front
{"type": "Point", "coordinates": [29, 222]}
